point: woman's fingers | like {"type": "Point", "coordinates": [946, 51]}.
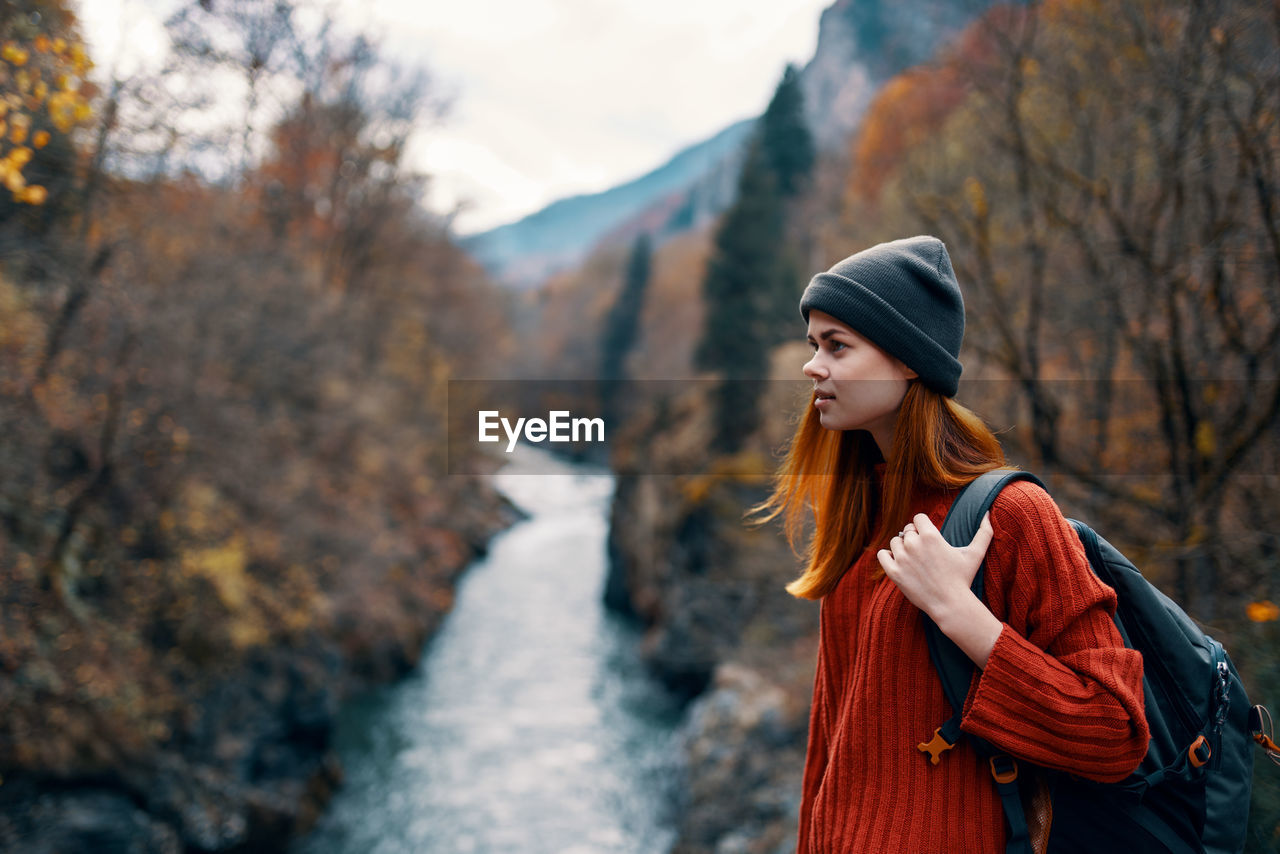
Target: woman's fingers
{"type": "Point", "coordinates": [983, 536]}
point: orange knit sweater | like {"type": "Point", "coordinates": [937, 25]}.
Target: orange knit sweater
{"type": "Point", "coordinates": [1059, 690]}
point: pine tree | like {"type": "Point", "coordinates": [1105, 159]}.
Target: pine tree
{"type": "Point", "coordinates": [788, 144]}
{"type": "Point", "coordinates": [736, 289]}
{"type": "Point", "coordinates": [750, 281]}
{"type": "Point", "coordinates": [623, 322]}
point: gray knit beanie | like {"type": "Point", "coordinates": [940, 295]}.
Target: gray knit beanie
{"type": "Point", "coordinates": [904, 297]}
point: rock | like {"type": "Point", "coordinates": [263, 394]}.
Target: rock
{"type": "Point", "coordinates": [744, 751]}
{"type": "Point", "coordinates": [724, 633]}
{"type": "Point", "coordinates": [60, 822]}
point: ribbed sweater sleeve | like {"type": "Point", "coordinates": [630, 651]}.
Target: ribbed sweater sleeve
{"type": "Point", "coordinates": [1059, 689]}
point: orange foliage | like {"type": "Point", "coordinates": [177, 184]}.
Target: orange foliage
{"type": "Point", "coordinates": [913, 107]}
{"type": "Point", "coordinates": [910, 109]}
{"type": "Point", "coordinates": [1263, 612]}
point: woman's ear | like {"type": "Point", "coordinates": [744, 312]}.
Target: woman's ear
{"type": "Point", "coordinates": [907, 373]}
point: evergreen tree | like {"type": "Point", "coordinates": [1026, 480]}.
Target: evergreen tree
{"type": "Point", "coordinates": [784, 132]}
{"type": "Point", "coordinates": [737, 289]}
{"type": "Point", "coordinates": [751, 283]}
{"type": "Point", "coordinates": [623, 323]}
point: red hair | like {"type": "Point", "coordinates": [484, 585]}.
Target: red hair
{"type": "Point", "coordinates": [937, 443]}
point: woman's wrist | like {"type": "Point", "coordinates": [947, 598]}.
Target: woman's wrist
{"type": "Point", "coordinates": [971, 626]}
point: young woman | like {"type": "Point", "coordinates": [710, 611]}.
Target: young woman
{"type": "Point", "coordinates": [877, 459]}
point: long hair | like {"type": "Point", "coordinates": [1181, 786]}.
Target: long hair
{"type": "Point", "coordinates": [937, 443]}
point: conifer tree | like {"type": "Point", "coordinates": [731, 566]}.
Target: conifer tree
{"type": "Point", "coordinates": [750, 281]}
{"type": "Point", "coordinates": [623, 323]}
{"type": "Point", "coordinates": [736, 289]}
{"type": "Point", "coordinates": [788, 144]}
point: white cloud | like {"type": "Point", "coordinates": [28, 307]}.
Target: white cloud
{"type": "Point", "coordinates": [559, 97]}
{"type": "Point", "coordinates": [574, 96]}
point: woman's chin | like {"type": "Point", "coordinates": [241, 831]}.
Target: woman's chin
{"type": "Point", "coordinates": [830, 421]}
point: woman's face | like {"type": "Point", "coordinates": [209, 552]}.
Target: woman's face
{"type": "Point", "coordinates": [857, 386]}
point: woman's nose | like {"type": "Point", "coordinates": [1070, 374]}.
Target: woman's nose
{"type": "Point", "coordinates": [813, 370]}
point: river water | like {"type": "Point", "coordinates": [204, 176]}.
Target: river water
{"type": "Point", "coordinates": [530, 726]}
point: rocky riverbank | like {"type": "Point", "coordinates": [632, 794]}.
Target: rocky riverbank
{"type": "Point", "coordinates": [722, 631]}
{"type": "Point", "coordinates": [247, 763]}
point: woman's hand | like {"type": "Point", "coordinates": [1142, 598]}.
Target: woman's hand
{"type": "Point", "coordinates": [935, 576]}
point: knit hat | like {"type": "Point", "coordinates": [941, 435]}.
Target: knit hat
{"type": "Point", "coordinates": [903, 296]}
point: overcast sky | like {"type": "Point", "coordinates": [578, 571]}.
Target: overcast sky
{"type": "Point", "coordinates": [551, 98]}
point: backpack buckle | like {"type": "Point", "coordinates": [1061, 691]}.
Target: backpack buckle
{"type": "Point", "coordinates": [936, 746]}
{"type": "Point", "coordinates": [1007, 771]}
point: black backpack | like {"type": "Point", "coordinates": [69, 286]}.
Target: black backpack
{"type": "Point", "coordinates": [1190, 795]}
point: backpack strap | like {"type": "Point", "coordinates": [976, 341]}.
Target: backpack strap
{"type": "Point", "coordinates": [955, 669]}
{"type": "Point", "coordinates": [962, 522]}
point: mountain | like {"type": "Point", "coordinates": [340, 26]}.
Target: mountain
{"type": "Point", "coordinates": [524, 253]}
{"type": "Point", "coordinates": [861, 44]}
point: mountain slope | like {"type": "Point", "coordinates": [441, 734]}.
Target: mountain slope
{"type": "Point", "coordinates": [524, 253]}
{"type": "Point", "coordinates": [861, 44]}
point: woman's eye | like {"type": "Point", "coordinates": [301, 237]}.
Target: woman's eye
{"type": "Point", "coordinates": [833, 346]}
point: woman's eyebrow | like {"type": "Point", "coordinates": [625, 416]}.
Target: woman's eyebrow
{"type": "Point", "coordinates": [826, 333]}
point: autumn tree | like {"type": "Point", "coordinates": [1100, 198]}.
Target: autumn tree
{"type": "Point", "coordinates": [43, 100]}
{"type": "Point", "coordinates": [1107, 188]}
{"type": "Point", "coordinates": [253, 39]}
{"type": "Point", "coordinates": [220, 412]}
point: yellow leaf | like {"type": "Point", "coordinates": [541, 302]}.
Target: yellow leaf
{"type": "Point", "coordinates": [62, 110]}
{"type": "Point", "coordinates": [41, 139]}
{"type": "Point", "coordinates": [1206, 443]}
{"type": "Point", "coordinates": [13, 54]}
{"type": "Point", "coordinates": [224, 566]}
{"type": "Point", "coordinates": [34, 195]}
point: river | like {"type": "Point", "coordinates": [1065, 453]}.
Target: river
{"type": "Point", "coordinates": [529, 726]}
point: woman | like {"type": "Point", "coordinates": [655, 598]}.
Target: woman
{"type": "Point", "coordinates": [877, 459]}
